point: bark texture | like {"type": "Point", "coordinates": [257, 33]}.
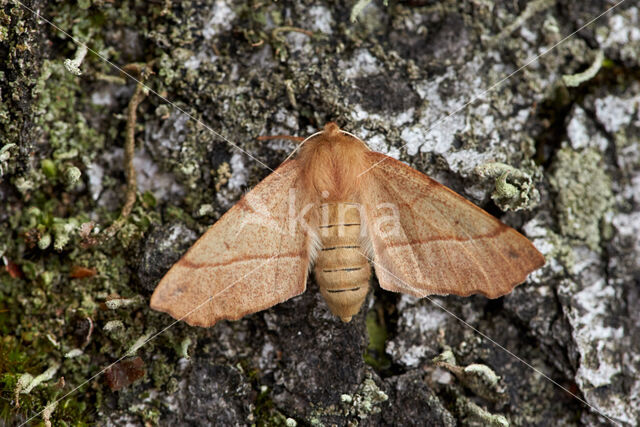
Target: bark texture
{"type": "Point", "coordinates": [551, 146]}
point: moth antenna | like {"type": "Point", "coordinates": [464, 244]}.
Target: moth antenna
{"type": "Point", "coordinates": [295, 138]}
{"type": "Point", "coordinates": [287, 137]}
{"type": "Point", "coordinates": [301, 144]}
{"type": "Point", "coordinates": [355, 137]}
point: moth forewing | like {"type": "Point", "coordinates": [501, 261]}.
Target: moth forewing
{"type": "Point", "coordinates": [447, 245]}
{"type": "Point", "coordinates": [228, 273]}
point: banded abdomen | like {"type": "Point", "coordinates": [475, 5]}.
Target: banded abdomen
{"type": "Point", "coordinates": [342, 270]}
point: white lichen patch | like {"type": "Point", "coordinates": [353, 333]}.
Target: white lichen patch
{"type": "Point", "coordinates": [320, 19]}
{"type": "Point", "coordinates": [203, 57]}
{"type": "Point", "coordinates": [239, 173]}
{"type": "Point", "coordinates": [628, 228]}
{"type": "Point", "coordinates": [365, 401]}
{"type": "Point", "coordinates": [581, 135]}
{"type": "Point", "coordinates": [378, 143]}
{"type": "Point", "coordinates": [299, 44]}
{"type": "Point", "coordinates": [171, 133]}
{"type": "Point", "coordinates": [234, 181]}
{"type": "Point", "coordinates": [267, 355]}
{"type": "Point", "coordinates": [95, 173]}
{"type": "Point", "coordinates": [621, 33]}
{"type": "Point", "coordinates": [73, 353]}
{"type": "Point", "coordinates": [444, 118]}
{"type": "Point", "coordinates": [193, 63]}
{"type": "Point", "coordinates": [596, 339]}
{"type": "Point", "coordinates": [614, 112]}
{"type": "Point", "coordinates": [407, 301]}
{"type": "Point", "coordinates": [150, 178]}
{"type": "Point", "coordinates": [435, 129]}
{"type": "Point", "coordinates": [361, 64]}
{"type": "Point", "coordinates": [103, 97]}
{"type": "Point", "coordinates": [441, 376]}
{"type": "Point", "coordinates": [221, 17]}
{"type": "Point", "coordinates": [418, 321]}
{"type": "Point", "coordinates": [284, 117]}
{"type": "Point", "coordinates": [375, 140]}
{"type": "Point", "coordinates": [424, 319]}
{"type": "Point", "coordinates": [409, 356]}
{"type": "Point", "coordinates": [535, 228]}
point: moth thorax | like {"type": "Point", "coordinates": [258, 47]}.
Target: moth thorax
{"type": "Point", "coordinates": [342, 269]}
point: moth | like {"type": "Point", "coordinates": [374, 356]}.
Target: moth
{"type": "Point", "coordinates": [338, 208]}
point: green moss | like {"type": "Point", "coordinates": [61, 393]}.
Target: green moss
{"type": "Point", "coordinates": [16, 364]}
{"type": "Point", "coordinates": [161, 371]}
{"type": "Point", "coordinates": [57, 114]}
{"type": "Point", "coordinates": [72, 176]}
{"type": "Point", "coordinates": [375, 354]}
{"type": "Point", "coordinates": [42, 311]}
{"type": "Point", "coordinates": [49, 169]}
{"type": "Point", "coordinates": [265, 411]}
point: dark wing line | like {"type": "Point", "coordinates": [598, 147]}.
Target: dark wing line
{"type": "Point", "coordinates": [189, 264]}
{"type": "Point", "coordinates": [416, 256]}
{"type": "Point", "coordinates": [498, 229]}
{"type": "Point", "coordinates": [455, 239]}
{"type": "Point", "coordinates": [165, 299]}
{"type": "Point", "coordinates": [466, 250]}
{"type": "Point", "coordinates": [446, 221]}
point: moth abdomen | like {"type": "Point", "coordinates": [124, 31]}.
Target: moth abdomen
{"type": "Point", "coordinates": [342, 270]}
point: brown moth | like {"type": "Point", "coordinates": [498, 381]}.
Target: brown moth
{"type": "Point", "coordinates": [337, 206]}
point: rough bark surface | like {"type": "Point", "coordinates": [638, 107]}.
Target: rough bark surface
{"type": "Point", "coordinates": [437, 84]}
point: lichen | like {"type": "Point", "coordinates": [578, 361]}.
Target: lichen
{"type": "Point", "coordinates": [583, 194]}
{"type": "Point", "coordinates": [573, 80]}
{"type": "Point", "coordinates": [365, 401]}
{"type": "Point", "coordinates": [41, 228]}
{"type": "Point", "coordinates": [477, 377]}
{"type": "Point", "coordinates": [514, 188]}
{"type": "Point", "coordinates": [242, 72]}
{"type": "Point", "coordinates": [475, 416]}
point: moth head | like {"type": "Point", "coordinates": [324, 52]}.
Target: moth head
{"type": "Point", "coordinates": [331, 129]}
